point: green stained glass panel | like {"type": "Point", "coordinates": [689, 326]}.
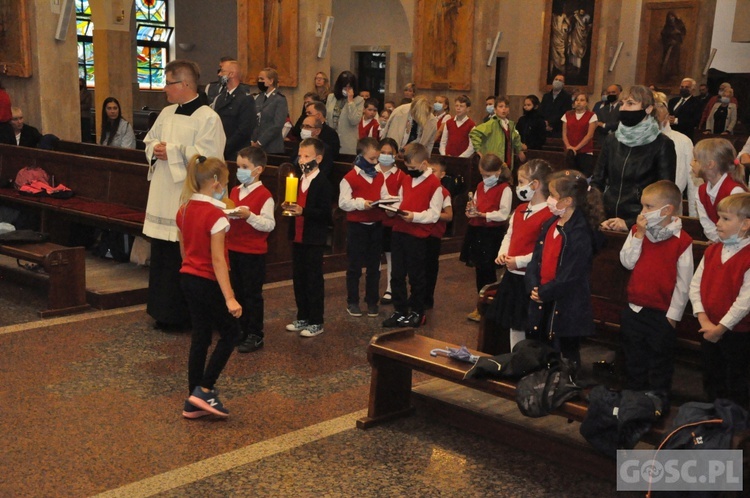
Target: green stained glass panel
{"type": "Point", "coordinates": [151, 11]}
{"type": "Point", "coordinates": [83, 7]}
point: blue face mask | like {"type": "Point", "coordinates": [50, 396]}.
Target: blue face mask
{"type": "Point", "coordinates": [490, 109]}
{"type": "Point", "coordinates": [366, 166]}
{"type": "Point", "coordinates": [219, 195]}
{"type": "Point", "coordinates": [490, 181]}
{"type": "Point", "coordinates": [437, 107]}
{"type": "Point", "coordinates": [245, 176]}
{"type": "Point", "coordinates": [386, 159]}
{"type": "Point", "coordinates": [731, 240]}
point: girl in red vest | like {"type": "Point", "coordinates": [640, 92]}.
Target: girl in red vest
{"type": "Point", "coordinates": [205, 282]}
{"type": "Point", "coordinates": [393, 176]}
{"type": "Point", "coordinates": [720, 295]}
{"type": "Point", "coordinates": [560, 268]}
{"type": "Point", "coordinates": [511, 304]}
{"type": "Point", "coordinates": [715, 160]}
{"type": "Point", "coordinates": [488, 219]}
{"type": "Point", "coordinates": [578, 127]}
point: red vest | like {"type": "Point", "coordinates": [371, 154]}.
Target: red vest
{"type": "Point", "coordinates": [526, 231]}
{"type": "Point", "coordinates": [299, 221]}
{"type": "Point", "coordinates": [551, 254]}
{"type": "Point", "coordinates": [242, 237]}
{"type": "Point", "coordinates": [725, 190]}
{"type": "Point", "coordinates": [577, 130]}
{"type": "Point", "coordinates": [195, 220]}
{"type": "Point", "coordinates": [368, 191]}
{"type": "Point", "coordinates": [654, 276]}
{"type": "Point", "coordinates": [439, 229]}
{"type": "Point", "coordinates": [487, 202]}
{"type": "Point", "coordinates": [393, 184]}
{"type": "Point", "coordinates": [372, 129]}
{"type": "Point", "coordinates": [416, 199]}
{"type": "Point", "coordinates": [721, 283]}
{"type": "Point", "coordinates": [458, 137]}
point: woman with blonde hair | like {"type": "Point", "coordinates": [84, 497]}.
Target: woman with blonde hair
{"type": "Point", "coordinates": [321, 86]}
{"type": "Point", "coordinates": [412, 123]}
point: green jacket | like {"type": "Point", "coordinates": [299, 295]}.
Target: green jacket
{"type": "Point", "coordinates": [489, 137]}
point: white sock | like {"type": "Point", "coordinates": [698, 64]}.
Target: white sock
{"type": "Point", "coordinates": [388, 272]}
{"type": "Point", "coordinates": [516, 336]}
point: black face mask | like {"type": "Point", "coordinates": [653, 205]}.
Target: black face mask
{"type": "Point", "coordinates": [684, 93]}
{"type": "Point", "coordinates": [262, 86]}
{"type": "Point", "coordinates": [611, 99]}
{"type": "Point", "coordinates": [307, 167]}
{"type": "Point", "coordinates": [414, 173]}
{"type": "Point", "coordinates": [632, 118]}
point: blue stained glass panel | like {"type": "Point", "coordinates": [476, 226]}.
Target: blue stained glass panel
{"type": "Point", "coordinates": [151, 11]}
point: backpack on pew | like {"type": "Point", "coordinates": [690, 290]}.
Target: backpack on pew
{"type": "Point", "coordinates": [706, 426]}
{"type": "Point", "coordinates": [23, 237]}
{"type": "Point", "coordinates": [544, 391]}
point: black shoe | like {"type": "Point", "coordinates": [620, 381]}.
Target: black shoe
{"type": "Point", "coordinates": [252, 343]}
{"type": "Point", "coordinates": [387, 298]}
{"type": "Point", "coordinates": [414, 320]}
{"type": "Point", "coordinates": [395, 320]}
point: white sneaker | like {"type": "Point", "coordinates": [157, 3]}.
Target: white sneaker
{"type": "Point", "coordinates": [312, 331]}
{"type": "Point", "coordinates": [297, 325]}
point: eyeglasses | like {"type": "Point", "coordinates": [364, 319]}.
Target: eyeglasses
{"type": "Point", "coordinates": [172, 82]}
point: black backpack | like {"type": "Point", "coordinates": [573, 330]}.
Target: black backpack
{"type": "Point", "coordinates": [708, 426]}
{"type": "Point", "coordinates": [542, 392]}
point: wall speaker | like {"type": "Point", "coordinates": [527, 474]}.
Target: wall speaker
{"type": "Point", "coordinates": [325, 38]}
{"type": "Point", "coordinates": [63, 22]}
{"type": "Point", "coordinates": [616, 56]}
{"type": "Point", "coordinates": [493, 51]}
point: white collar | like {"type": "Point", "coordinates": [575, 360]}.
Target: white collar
{"type": "Point", "coordinates": [251, 187]}
{"type": "Point", "coordinates": [207, 198]}
{"type": "Point", "coordinates": [714, 191]}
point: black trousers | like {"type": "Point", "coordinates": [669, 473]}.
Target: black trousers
{"type": "Point", "coordinates": [307, 277]}
{"type": "Point", "coordinates": [363, 247]}
{"type": "Point", "coordinates": [166, 303]}
{"type": "Point", "coordinates": [208, 310]}
{"type": "Point", "coordinates": [585, 164]}
{"type": "Point", "coordinates": [725, 367]}
{"type": "Point", "coordinates": [648, 342]}
{"type": "Point", "coordinates": [248, 276]}
{"type": "Point", "coordinates": [484, 246]}
{"type": "Point", "coordinates": [432, 267]}
{"type": "Point", "coordinates": [408, 260]}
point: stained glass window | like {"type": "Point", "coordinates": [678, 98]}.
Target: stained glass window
{"type": "Point", "coordinates": [152, 37]}
{"type": "Point", "coordinates": [85, 36]}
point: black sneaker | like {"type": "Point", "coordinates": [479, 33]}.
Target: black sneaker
{"type": "Point", "coordinates": [414, 320]}
{"type": "Point", "coordinates": [395, 320]}
{"type": "Point", "coordinates": [353, 310]}
{"type": "Point", "coordinates": [252, 343]}
{"type": "Point", "coordinates": [208, 401]}
{"type": "Point", "coordinates": [372, 310]}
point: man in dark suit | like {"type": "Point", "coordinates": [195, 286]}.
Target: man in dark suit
{"type": "Point", "coordinates": [554, 105]}
{"type": "Point", "coordinates": [685, 110]}
{"type": "Point", "coordinates": [272, 110]}
{"type": "Point", "coordinates": [15, 132]}
{"type": "Point", "coordinates": [236, 108]}
{"type": "Point", "coordinates": [327, 134]}
{"type": "Point", "coordinates": [608, 114]}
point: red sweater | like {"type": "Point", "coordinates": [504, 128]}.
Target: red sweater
{"type": "Point", "coordinates": [195, 220]}
{"type": "Point", "coordinates": [526, 231]}
{"type": "Point", "coordinates": [487, 202]}
{"type": "Point", "coordinates": [243, 237]}
{"type": "Point", "coordinates": [439, 229]}
{"type": "Point", "coordinates": [725, 190]}
{"type": "Point", "coordinates": [551, 254]}
{"type": "Point", "coordinates": [654, 276]}
{"type": "Point", "coordinates": [416, 199]}
{"type": "Point", "coordinates": [458, 137]}
{"type": "Point", "coordinates": [361, 188]}
{"type": "Point", "coordinates": [577, 130]}
{"type": "Point", "coordinates": [721, 283]}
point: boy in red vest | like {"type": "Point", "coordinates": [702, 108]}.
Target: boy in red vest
{"type": "Point", "coordinates": [359, 188]}
{"type": "Point", "coordinates": [720, 295]}
{"type": "Point", "coordinates": [421, 202]}
{"type": "Point", "coordinates": [432, 257]}
{"type": "Point", "coordinates": [248, 243]}
{"type": "Point", "coordinates": [455, 138]}
{"type": "Point", "coordinates": [369, 126]}
{"type": "Point", "coordinates": [660, 254]}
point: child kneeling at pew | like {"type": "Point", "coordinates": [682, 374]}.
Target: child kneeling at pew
{"type": "Point", "coordinates": [660, 255]}
{"type": "Point", "coordinates": [720, 295]}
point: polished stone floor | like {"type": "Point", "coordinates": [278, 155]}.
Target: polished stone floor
{"type": "Point", "coordinates": [91, 404]}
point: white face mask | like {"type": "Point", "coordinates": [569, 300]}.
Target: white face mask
{"type": "Point", "coordinates": [552, 205]}
{"type": "Point", "coordinates": [303, 134]}
{"type": "Point", "coordinates": [490, 181]}
{"type": "Point", "coordinates": [525, 193]}
{"type": "Point", "coordinates": [654, 217]}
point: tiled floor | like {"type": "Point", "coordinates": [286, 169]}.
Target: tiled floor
{"type": "Point", "coordinates": [91, 404]}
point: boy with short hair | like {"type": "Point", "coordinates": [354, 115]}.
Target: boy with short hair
{"type": "Point", "coordinates": [489, 108]}
{"type": "Point", "coordinates": [660, 255]}
{"type": "Point", "coordinates": [359, 188]}
{"type": "Point", "coordinates": [432, 256]}
{"type": "Point", "coordinates": [248, 244]}
{"type": "Point", "coordinates": [421, 202]}
{"type": "Point", "coordinates": [499, 135]}
{"type": "Point", "coordinates": [309, 233]}
{"type": "Point", "coordinates": [455, 139]}
{"type": "Point", "coordinates": [369, 126]}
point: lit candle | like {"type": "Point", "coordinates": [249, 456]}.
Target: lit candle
{"type": "Point", "coordinates": [291, 189]}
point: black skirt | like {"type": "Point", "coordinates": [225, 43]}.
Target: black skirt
{"type": "Point", "coordinates": [510, 308]}
{"type": "Point", "coordinates": [481, 245]}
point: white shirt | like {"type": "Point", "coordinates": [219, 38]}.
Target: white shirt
{"type": "Point", "coordinates": [307, 178]}
{"type": "Point", "coordinates": [741, 305]}
{"type": "Point", "coordinates": [522, 261]}
{"type": "Point", "coordinates": [631, 252]}
{"type": "Point", "coordinates": [444, 139]}
{"type": "Point", "coordinates": [432, 214]}
{"type": "Point", "coordinates": [349, 203]}
{"type": "Point", "coordinates": [684, 148]}
{"type": "Point", "coordinates": [709, 227]}
{"type": "Point", "coordinates": [506, 203]}
{"type": "Point", "coordinates": [265, 221]}
{"type": "Point", "coordinates": [222, 223]}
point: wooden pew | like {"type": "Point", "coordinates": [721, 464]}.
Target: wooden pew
{"type": "Point", "coordinates": [103, 151]}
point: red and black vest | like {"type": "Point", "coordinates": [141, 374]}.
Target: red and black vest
{"type": "Point", "coordinates": [242, 237]}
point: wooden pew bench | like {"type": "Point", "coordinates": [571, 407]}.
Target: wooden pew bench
{"type": "Point", "coordinates": [395, 355]}
{"type": "Point", "coordinates": [64, 268]}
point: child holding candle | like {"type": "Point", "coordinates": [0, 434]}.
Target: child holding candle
{"type": "Point", "coordinates": [312, 212]}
